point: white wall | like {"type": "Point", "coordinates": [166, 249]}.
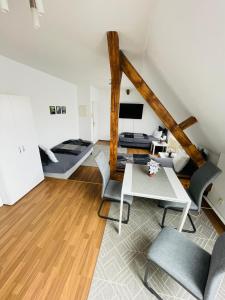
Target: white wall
{"type": "Point", "coordinates": [149, 121]}
{"type": "Point", "coordinates": [44, 90]}
{"type": "Point", "coordinates": [84, 103]}
{"type": "Point", "coordinates": [147, 124]}
{"type": "Point", "coordinates": [104, 102]}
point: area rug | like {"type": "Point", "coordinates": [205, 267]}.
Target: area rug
{"type": "Point", "coordinates": [90, 161]}
{"type": "Point", "coordinates": [122, 260]}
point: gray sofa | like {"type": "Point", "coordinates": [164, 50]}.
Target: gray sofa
{"type": "Point", "coordinates": [136, 140]}
{"type": "Point", "coordinates": [167, 162]}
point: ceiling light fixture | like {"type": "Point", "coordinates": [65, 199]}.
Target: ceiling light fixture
{"type": "Point", "coordinates": [36, 6]}
{"type": "Point", "coordinates": [4, 6]}
{"type": "Point", "coordinates": [35, 14]}
{"type": "Point", "coordinates": [40, 7]}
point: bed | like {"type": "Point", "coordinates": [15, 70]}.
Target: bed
{"type": "Point", "coordinates": [70, 154]}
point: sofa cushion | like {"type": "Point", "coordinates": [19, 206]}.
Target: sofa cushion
{"type": "Point", "coordinates": [180, 161]}
{"type": "Point", "coordinates": [49, 153]}
{"type": "Point", "coordinates": [157, 134]}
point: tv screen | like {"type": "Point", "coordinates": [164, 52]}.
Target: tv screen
{"type": "Point", "coordinates": [131, 111]}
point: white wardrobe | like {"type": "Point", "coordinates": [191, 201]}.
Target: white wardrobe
{"type": "Point", "coordinates": [20, 164]}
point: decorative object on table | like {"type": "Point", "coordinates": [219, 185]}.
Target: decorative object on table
{"type": "Point", "coordinates": [162, 139]}
{"type": "Point", "coordinates": [153, 167]}
{"type": "Point", "coordinates": [52, 110]}
{"type": "Point", "coordinates": [58, 110]}
{"type": "Point", "coordinates": [63, 109]}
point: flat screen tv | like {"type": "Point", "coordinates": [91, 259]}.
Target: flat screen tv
{"type": "Point", "coordinates": [131, 111]}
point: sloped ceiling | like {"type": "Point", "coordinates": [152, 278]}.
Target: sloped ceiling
{"type": "Point", "coordinates": [187, 44]}
{"type": "Point", "coordinates": [179, 45]}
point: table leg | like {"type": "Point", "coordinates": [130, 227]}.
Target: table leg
{"type": "Point", "coordinates": [153, 151]}
{"type": "Point", "coordinates": [121, 213]}
{"type": "Point", "coordinates": [183, 216]}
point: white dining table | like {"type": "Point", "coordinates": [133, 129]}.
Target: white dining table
{"type": "Point", "coordinates": [164, 185]}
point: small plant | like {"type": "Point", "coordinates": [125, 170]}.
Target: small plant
{"type": "Point", "coordinates": [153, 167]}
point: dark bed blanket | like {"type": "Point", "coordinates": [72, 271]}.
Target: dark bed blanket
{"type": "Point", "coordinates": [67, 149]}
{"type": "Point", "coordinates": [79, 142]}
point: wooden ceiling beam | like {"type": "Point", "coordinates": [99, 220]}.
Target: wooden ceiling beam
{"type": "Point", "coordinates": [160, 110]}
{"type": "Point", "coordinates": [188, 123]}
{"type": "Point", "coordinates": [116, 75]}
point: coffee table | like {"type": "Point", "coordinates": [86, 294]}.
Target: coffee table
{"type": "Point", "coordinates": [163, 186]}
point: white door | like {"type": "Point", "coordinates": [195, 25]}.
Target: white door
{"type": "Point", "coordinates": [94, 121]}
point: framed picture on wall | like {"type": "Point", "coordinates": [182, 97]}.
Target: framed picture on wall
{"type": "Point", "coordinates": [63, 109]}
{"type": "Point", "coordinates": [52, 110]}
{"type": "Point", "coordinates": [58, 110]}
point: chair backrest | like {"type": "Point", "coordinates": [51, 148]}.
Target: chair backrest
{"type": "Point", "coordinates": [104, 168]}
{"type": "Point", "coordinates": [200, 180]}
{"type": "Point", "coordinates": [216, 269]}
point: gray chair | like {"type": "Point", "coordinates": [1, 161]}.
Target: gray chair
{"type": "Point", "coordinates": [200, 180]}
{"type": "Point", "coordinates": [111, 189]}
{"type": "Point", "coordinates": [191, 266]}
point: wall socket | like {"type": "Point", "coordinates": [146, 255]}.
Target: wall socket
{"type": "Point", "coordinates": [220, 201]}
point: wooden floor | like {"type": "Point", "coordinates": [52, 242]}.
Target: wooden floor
{"type": "Point", "coordinates": [87, 174]}
{"type": "Point", "coordinates": [49, 242]}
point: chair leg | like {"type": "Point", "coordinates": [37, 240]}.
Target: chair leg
{"type": "Point", "coordinates": [192, 224]}
{"type": "Point", "coordinates": [113, 219]}
{"type": "Point", "coordinates": [184, 230]}
{"type": "Point", "coordinates": [164, 217]}
{"type": "Point", "coordinates": [147, 286]}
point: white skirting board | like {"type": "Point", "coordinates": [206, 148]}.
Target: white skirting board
{"type": "Point", "coordinates": [216, 197]}
{"type": "Point", "coordinates": [214, 209]}
{"type": "Point", "coordinates": [67, 174]}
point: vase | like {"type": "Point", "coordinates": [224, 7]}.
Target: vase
{"type": "Point", "coordinates": [150, 175]}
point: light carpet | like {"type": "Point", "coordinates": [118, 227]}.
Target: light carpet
{"type": "Point", "coordinates": [122, 259]}
{"type": "Point", "coordinates": [90, 161]}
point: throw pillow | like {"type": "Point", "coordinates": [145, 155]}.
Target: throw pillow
{"type": "Point", "coordinates": [164, 130]}
{"type": "Point", "coordinates": [157, 134]}
{"type": "Point", "coordinates": [44, 157]}
{"type": "Point", "coordinates": [50, 154]}
{"type": "Point", "coordinates": [180, 161]}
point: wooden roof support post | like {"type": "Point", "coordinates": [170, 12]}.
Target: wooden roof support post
{"type": "Point", "coordinates": [160, 110]}
{"type": "Point", "coordinates": [188, 123]}
{"type": "Point", "coordinates": [116, 75]}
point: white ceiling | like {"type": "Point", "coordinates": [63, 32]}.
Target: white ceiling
{"type": "Point", "coordinates": [71, 42]}
{"type": "Point", "coordinates": [184, 39]}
